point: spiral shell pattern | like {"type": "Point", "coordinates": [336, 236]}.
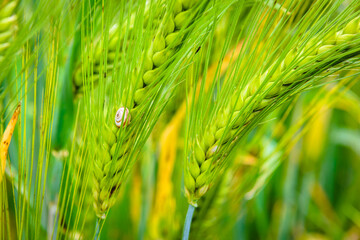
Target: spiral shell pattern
{"type": "Point", "coordinates": [119, 117]}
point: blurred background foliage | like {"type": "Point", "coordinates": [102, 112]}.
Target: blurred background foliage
{"type": "Point", "coordinates": [295, 176]}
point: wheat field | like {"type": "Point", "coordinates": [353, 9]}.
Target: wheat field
{"type": "Point", "coordinates": [179, 119]}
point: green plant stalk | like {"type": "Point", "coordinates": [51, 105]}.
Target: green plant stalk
{"type": "Point", "coordinates": [65, 114]}
{"type": "Point", "coordinates": [97, 230]}
{"type": "Point", "coordinates": [188, 219]}
{"type": "Point", "coordinates": [234, 118]}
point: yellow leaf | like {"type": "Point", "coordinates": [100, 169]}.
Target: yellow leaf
{"type": "Point", "coordinates": [5, 140]}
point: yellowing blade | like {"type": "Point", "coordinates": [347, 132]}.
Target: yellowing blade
{"type": "Point", "coordinates": [5, 140]}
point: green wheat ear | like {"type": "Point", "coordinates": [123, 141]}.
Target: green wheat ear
{"type": "Point", "coordinates": [116, 38]}
{"type": "Point", "coordinates": [202, 167]}
{"type": "Point", "coordinates": [113, 151]}
{"type": "Point", "coordinates": [8, 25]}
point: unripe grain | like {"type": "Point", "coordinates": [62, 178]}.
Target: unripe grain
{"type": "Point", "coordinates": [229, 123]}
{"type": "Point", "coordinates": [160, 52]}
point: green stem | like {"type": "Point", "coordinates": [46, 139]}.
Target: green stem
{"type": "Point", "coordinates": [187, 224]}
{"type": "Point", "coordinates": [97, 230]}
{"type": "Point", "coordinates": [65, 113]}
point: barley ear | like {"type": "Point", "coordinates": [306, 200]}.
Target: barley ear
{"type": "Point", "coordinates": [113, 151]}
{"type": "Point", "coordinates": [8, 26]}
{"type": "Point", "coordinates": [275, 82]}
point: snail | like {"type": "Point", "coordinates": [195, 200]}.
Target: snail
{"type": "Point", "coordinates": [121, 119]}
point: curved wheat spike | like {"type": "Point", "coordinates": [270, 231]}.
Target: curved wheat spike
{"type": "Point", "coordinates": [168, 147]}
{"type": "Point", "coordinates": [201, 167]}
{"type": "Point", "coordinates": [112, 153]}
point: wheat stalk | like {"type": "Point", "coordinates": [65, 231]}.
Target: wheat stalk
{"type": "Point", "coordinates": [234, 118]}
{"type": "Point", "coordinates": [82, 191]}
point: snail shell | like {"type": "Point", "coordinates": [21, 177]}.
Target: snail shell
{"type": "Point", "coordinates": [120, 119]}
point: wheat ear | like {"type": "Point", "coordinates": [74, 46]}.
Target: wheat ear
{"type": "Point", "coordinates": [201, 167]}
{"type": "Point", "coordinates": [8, 25]}
{"type": "Point", "coordinates": [116, 37]}
{"type": "Point", "coordinates": [107, 173]}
